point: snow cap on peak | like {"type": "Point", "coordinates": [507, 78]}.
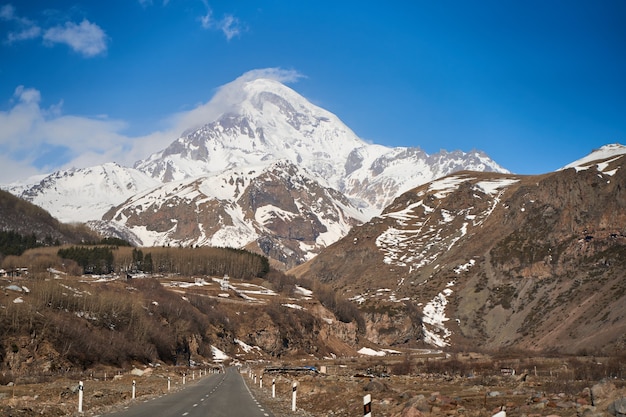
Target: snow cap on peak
{"type": "Point", "coordinates": [607, 151]}
{"type": "Point", "coordinates": [229, 97]}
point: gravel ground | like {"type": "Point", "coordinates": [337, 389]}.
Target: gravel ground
{"type": "Point", "coordinates": [337, 394]}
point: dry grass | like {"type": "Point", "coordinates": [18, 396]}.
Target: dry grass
{"type": "Point", "coordinates": [476, 393]}
{"type": "Point", "coordinates": [340, 391]}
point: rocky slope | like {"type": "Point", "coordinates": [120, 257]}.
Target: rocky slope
{"type": "Point", "coordinates": [25, 218]}
{"type": "Point", "coordinates": [534, 262]}
{"type": "Point", "coordinates": [278, 210]}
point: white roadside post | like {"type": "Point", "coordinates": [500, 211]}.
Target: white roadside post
{"type": "Point", "coordinates": [133, 396]}
{"type": "Point", "coordinates": [274, 388]}
{"type": "Point", "coordinates": [367, 406]}
{"type": "Point", "coordinates": [169, 383]}
{"type": "Point", "coordinates": [294, 388]}
{"type": "Point", "coordinates": [193, 375]}
{"type": "Point", "coordinates": [80, 396]}
{"type": "Point", "coordinates": [261, 381]}
{"type": "Point", "coordinates": [184, 377]}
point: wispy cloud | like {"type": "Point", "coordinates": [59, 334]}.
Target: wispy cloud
{"type": "Point", "coordinates": [26, 28]}
{"type": "Point", "coordinates": [38, 140]}
{"type": "Point", "coordinates": [31, 32]}
{"type": "Point", "coordinates": [228, 97]}
{"type": "Point", "coordinates": [29, 131]}
{"type": "Point", "coordinates": [85, 38]}
{"type": "Point", "coordinates": [229, 25]}
{"type": "Point", "coordinates": [146, 3]}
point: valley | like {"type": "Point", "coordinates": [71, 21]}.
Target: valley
{"type": "Point", "coordinates": [273, 236]}
{"type": "Point", "coordinates": [262, 324]}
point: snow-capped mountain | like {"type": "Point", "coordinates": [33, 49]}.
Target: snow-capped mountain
{"type": "Point", "coordinates": [378, 179]}
{"type": "Point", "coordinates": [263, 122]}
{"type": "Point", "coordinates": [79, 195]}
{"type": "Point", "coordinates": [278, 209]}
{"type": "Point", "coordinates": [498, 260]}
{"type": "Point", "coordinates": [272, 122]}
{"type": "Point", "coordinates": [269, 122]}
{"type": "Point", "coordinates": [600, 157]}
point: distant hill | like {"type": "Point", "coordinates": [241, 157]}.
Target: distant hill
{"type": "Point", "coordinates": [20, 216]}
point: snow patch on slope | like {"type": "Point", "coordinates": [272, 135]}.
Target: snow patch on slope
{"type": "Point", "coordinates": [434, 319]}
{"type": "Point", "coordinates": [599, 157]}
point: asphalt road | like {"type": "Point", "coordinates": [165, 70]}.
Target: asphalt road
{"type": "Point", "coordinates": [218, 395]}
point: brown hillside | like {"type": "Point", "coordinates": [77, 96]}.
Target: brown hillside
{"type": "Point", "coordinates": [530, 262]}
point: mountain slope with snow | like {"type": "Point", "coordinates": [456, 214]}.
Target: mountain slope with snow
{"type": "Point", "coordinates": [261, 122]}
{"type": "Point", "coordinates": [500, 260]}
{"type": "Point", "coordinates": [279, 210]}
{"type": "Point", "coordinates": [599, 157]}
{"type": "Point", "coordinates": [269, 122]}
{"type": "Point", "coordinates": [79, 195]}
{"type": "Point", "coordinates": [272, 122]}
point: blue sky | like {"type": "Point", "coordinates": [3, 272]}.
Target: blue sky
{"type": "Point", "coordinates": [534, 84]}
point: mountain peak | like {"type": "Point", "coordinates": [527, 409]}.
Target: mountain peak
{"type": "Point", "coordinates": [250, 124]}
{"type": "Point", "coordinates": [597, 155]}
{"type": "Point", "coordinates": [263, 120]}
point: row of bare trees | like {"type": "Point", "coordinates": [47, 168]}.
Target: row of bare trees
{"type": "Point", "coordinates": [78, 260]}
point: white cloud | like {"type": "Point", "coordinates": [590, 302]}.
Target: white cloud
{"type": "Point", "coordinates": [31, 32]}
{"type": "Point", "coordinates": [27, 29]}
{"type": "Point", "coordinates": [278, 74]}
{"type": "Point", "coordinates": [207, 20]}
{"type": "Point", "coordinates": [7, 12]}
{"type": "Point", "coordinates": [29, 132]}
{"type": "Point", "coordinates": [85, 38]}
{"type": "Point", "coordinates": [229, 24]}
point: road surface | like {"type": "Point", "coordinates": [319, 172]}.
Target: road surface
{"type": "Point", "coordinates": [218, 395]}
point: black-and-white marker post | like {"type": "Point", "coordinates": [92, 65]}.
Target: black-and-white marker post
{"type": "Point", "coordinates": [133, 396]}
{"type": "Point", "coordinates": [367, 406]}
{"type": "Point", "coordinates": [169, 383]}
{"type": "Point", "coordinates": [274, 388]}
{"type": "Point", "coordinates": [294, 388]}
{"type": "Point", "coordinates": [261, 381]}
{"type": "Point", "coordinates": [80, 396]}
